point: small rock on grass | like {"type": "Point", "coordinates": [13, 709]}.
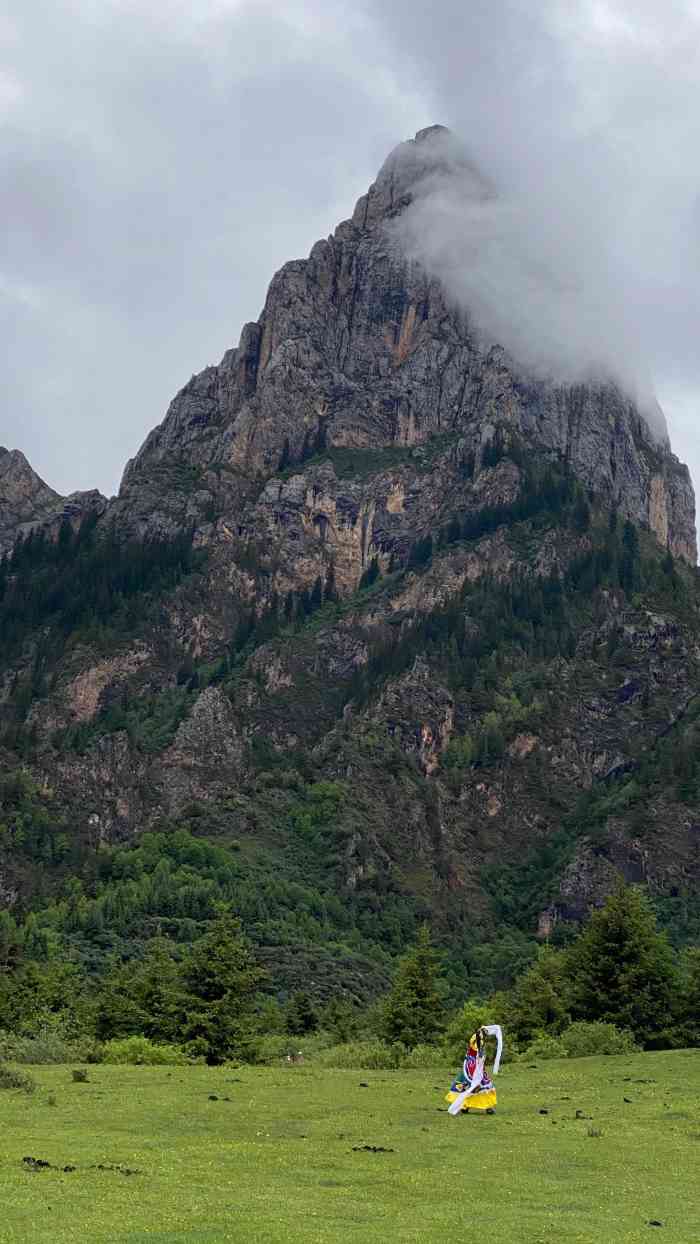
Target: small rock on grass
{"type": "Point", "coordinates": [371, 1149]}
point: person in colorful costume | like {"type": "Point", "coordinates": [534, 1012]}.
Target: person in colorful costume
{"type": "Point", "coordinates": [474, 1090]}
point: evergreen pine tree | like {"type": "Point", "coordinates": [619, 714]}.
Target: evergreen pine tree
{"type": "Point", "coordinates": [221, 978]}
{"type": "Point", "coordinates": [414, 1011]}
{"type": "Point", "coordinates": [145, 998]}
{"type": "Point", "coordinates": [370, 575]}
{"type": "Point", "coordinates": [65, 539]}
{"type": "Point", "coordinates": [330, 591]}
{"type": "Point", "coordinates": [689, 1003]}
{"type": "Point", "coordinates": [622, 968]}
{"type": "Point", "coordinates": [340, 1018]}
{"type": "Point", "coordinates": [582, 514]}
{"type": "Point", "coordinates": [421, 552]}
{"type": "Point", "coordinates": [317, 594]}
{"type": "Point", "coordinates": [301, 1014]}
{"type": "Point", "coordinates": [186, 670]}
{"type": "Point", "coordinates": [629, 564]}
{"type": "Point", "coordinates": [539, 1000]}
{"type": "Point", "coordinates": [289, 608]}
{"type": "Point", "coordinates": [10, 942]}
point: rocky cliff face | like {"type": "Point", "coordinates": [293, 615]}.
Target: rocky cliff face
{"type": "Point", "coordinates": [24, 497]}
{"type": "Point", "coordinates": [359, 416]}
{"type": "Point", "coordinates": [357, 348]}
{"type": "Point", "coordinates": [26, 502]}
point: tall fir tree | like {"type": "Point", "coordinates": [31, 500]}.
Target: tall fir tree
{"type": "Point", "coordinates": [330, 590]}
{"type": "Point", "coordinates": [539, 1000]}
{"type": "Point", "coordinates": [301, 1017]}
{"type": "Point", "coordinates": [689, 998]}
{"type": "Point", "coordinates": [414, 1011]}
{"type": "Point", "coordinates": [622, 969]}
{"type": "Point", "coordinates": [221, 978]}
{"type": "Point", "coordinates": [145, 998]}
{"type": "Point", "coordinates": [317, 593]}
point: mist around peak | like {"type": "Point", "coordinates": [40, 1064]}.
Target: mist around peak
{"type": "Point", "coordinates": [529, 273]}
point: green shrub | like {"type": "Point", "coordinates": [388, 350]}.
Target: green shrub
{"type": "Point", "coordinates": [92, 1051]}
{"type": "Point", "coordinates": [348, 1055]}
{"type": "Point", "coordinates": [10, 1078]}
{"type": "Point", "coordinates": [362, 1056]}
{"type": "Point", "coordinates": [459, 753]}
{"type": "Point", "coordinates": [272, 1049]}
{"type": "Point", "coordinates": [425, 1056]}
{"type": "Point", "coordinates": [139, 1051]}
{"type": "Point", "coordinates": [471, 1016]}
{"type": "Point", "coordinates": [277, 1047]}
{"type": "Point", "coordinates": [546, 1047]}
{"type": "Point", "coordinates": [48, 1045]}
{"type": "Point", "coordinates": [585, 1039]}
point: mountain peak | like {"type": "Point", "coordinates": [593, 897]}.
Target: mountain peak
{"type": "Point", "coordinates": [359, 346]}
{"type": "Point", "coordinates": [412, 168]}
{"type": "Point", "coordinates": [27, 502]}
{"type": "Point", "coordinates": [24, 497]}
{"type": "Point", "coordinates": [431, 132]}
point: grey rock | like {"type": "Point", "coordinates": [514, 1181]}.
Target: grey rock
{"type": "Point", "coordinates": [357, 347]}
{"type": "Point", "coordinates": [26, 502]}
{"type": "Point", "coordinates": [24, 498]}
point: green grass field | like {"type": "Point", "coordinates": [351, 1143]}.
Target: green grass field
{"type": "Point", "coordinates": [273, 1159]}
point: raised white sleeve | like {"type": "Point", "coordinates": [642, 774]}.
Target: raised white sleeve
{"type": "Point", "coordinates": [494, 1030]}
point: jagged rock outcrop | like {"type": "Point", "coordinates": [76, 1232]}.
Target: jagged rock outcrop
{"type": "Point", "coordinates": [26, 502]}
{"type": "Point", "coordinates": [76, 507]}
{"type": "Point", "coordinates": [24, 498]}
{"type": "Point", "coordinates": [357, 347]}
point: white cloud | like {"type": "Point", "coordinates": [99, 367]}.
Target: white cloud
{"type": "Point", "coordinates": [158, 161]}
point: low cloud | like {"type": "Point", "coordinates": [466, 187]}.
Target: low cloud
{"type": "Point", "coordinates": [586, 119]}
{"type": "Point", "coordinates": [534, 275]}
{"type": "Point", "coordinates": [158, 162]}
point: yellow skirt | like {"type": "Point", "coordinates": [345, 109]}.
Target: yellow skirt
{"type": "Point", "coordinates": [477, 1101]}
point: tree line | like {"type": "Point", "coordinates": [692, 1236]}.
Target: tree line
{"type": "Point", "coordinates": [618, 980]}
{"type": "Point", "coordinates": [620, 971]}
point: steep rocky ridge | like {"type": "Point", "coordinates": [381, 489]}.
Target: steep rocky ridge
{"type": "Point", "coordinates": [24, 497]}
{"type": "Point", "coordinates": [356, 347]}
{"type": "Point", "coordinates": [26, 502]}
{"type": "Point", "coordinates": [363, 444]}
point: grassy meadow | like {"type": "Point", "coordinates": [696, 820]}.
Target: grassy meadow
{"type": "Point", "coordinates": [595, 1149]}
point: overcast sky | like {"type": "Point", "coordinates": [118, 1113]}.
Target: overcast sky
{"type": "Point", "coordinates": [161, 158]}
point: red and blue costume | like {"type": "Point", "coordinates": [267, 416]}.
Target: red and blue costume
{"type": "Point", "coordinates": [475, 1089]}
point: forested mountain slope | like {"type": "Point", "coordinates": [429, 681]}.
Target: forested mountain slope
{"type": "Point", "coordinates": [399, 629]}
